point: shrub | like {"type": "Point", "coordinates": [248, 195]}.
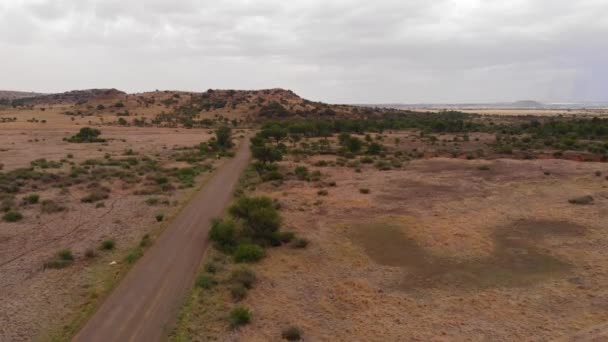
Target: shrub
{"type": "Point", "coordinates": [238, 292]}
{"type": "Point", "coordinates": [364, 191]}
{"type": "Point", "coordinates": [159, 217]}
{"type": "Point", "coordinates": [247, 252]}
{"type": "Point", "coordinates": [292, 334]}
{"type": "Point", "coordinates": [50, 207]}
{"type": "Point", "coordinates": [86, 135]}
{"type": "Point", "coordinates": [243, 276]}
{"type": "Point", "coordinates": [300, 243]}
{"type": "Point", "coordinates": [301, 173]}
{"type": "Point", "coordinates": [224, 234]}
{"type": "Point", "coordinates": [260, 216]}
{"type": "Point", "coordinates": [581, 200]}
{"type": "Point", "coordinates": [240, 316]}
{"type": "Point", "coordinates": [107, 245]}
{"type": "Point", "coordinates": [12, 216]}
{"type": "Point", "coordinates": [483, 168]}
{"type": "Point", "coordinates": [62, 259]}
{"type": "Point", "coordinates": [598, 173]}
{"type": "Point", "coordinates": [223, 137]}
{"type": "Point", "coordinates": [31, 199]}
{"type": "Point", "coordinates": [205, 281]}
{"type": "Point", "coordinates": [134, 255]}
{"type": "Point", "coordinates": [322, 193]}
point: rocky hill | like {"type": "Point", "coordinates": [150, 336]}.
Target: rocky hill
{"type": "Point", "coordinates": [14, 95]}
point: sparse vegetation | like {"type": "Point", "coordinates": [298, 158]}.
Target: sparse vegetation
{"type": "Point", "coordinates": [62, 259]}
{"type": "Point", "coordinates": [240, 316]}
{"type": "Point", "coordinates": [107, 245]}
{"type": "Point", "coordinates": [292, 334]}
{"type": "Point", "coordinates": [12, 216]}
{"type": "Point", "coordinates": [86, 135]}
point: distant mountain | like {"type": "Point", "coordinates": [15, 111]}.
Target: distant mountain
{"type": "Point", "coordinates": [525, 104]}
{"type": "Point", "coordinates": [68, 97]}
{"type": "Point", "coordinates": [14, 95]}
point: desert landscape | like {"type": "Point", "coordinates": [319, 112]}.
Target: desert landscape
{"type": "Point", "coordinates": [350, 223]}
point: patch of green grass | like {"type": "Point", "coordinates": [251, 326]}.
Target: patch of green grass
{"type": "Point", "coordinates": [243, 276]}
{"type": "Point", "coordinates": [31, 199]}
{"type": "Point", "coordinates": [107, 245]}
{"type": "Point", "coordinates": [240, 316]}
{"type": "Point", "coordinates": [12, 216]}
{"type": "Point", "coordinates": [62, 259]}
{"type": "Point", "coordinates": [292, 334]}
{"type": "Point", "coordinates": [205, 281]}
{"type": "Point", "coordinates": [246, 252]}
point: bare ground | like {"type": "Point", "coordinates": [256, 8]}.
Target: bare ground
{"type": "Point", "coordinates": [438, 251]}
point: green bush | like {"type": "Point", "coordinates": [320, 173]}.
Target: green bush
{"type": "Point", "coordinates": [301, 173]}
{"type": "Point", "coordinates": [159, 217]}
{"type": "Point", "coordinates": [62, 259]}
{"type": "Point", "coordinates": [31, 199]}
{"type": "Point", "coordinates": [107, 245]}
{"type": "Point", "coordinates": [238, 292]}
{"type": "Point", "coordinates": [224, 234]}
{"type": "Point", "coordinates": [248, 253]}
{"type": "Point", "coordinates": [12, 216]}
{"type": "Point", "coordinates": [134, 255]}
{"type": "Point", "coordinates": [292, 334]}
{"type": "Point", "coordinates": [205, 281]}
{"type": "Point", "coordinates": [260, 216]}
{"type": "Point", "coordinates": [243, 276]}
{"type": "Point", "coordinates": [322, 193]}
{"type": "Point", "coordinates": [86, 135]}
{"type": "Point", "coordinates": [240, 316]}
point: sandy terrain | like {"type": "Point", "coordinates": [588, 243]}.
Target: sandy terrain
{"type": "Point", "coordinates": [35, 302]}
{"type": "Point", "coordinates": [440, 249]}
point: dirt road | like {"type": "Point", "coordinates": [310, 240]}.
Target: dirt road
{"type": "Point", "coordinates": [145, 304]}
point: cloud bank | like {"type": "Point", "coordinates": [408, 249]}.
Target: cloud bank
{"type": "Point", "coordinates": [334, 50]}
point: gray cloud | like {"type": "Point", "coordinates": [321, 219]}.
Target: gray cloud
{"type": "Point", "coordinates": [332, 50]}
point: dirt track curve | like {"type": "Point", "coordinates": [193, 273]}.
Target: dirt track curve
{"type": "Point", "coordinates": [146, 302]}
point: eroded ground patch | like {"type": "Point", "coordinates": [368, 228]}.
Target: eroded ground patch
{"type": "Point", "coordinates": [519, 257]}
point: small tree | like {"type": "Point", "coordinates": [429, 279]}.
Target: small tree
{"type": "Point", "coordinates": [224, 137]}
{"type": "Point", "coordinates": [260, 216]}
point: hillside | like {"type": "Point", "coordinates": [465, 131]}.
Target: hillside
{"type": "Point", "coordinates": [14, 95]}
{"type": "Point", "coordinates": [191, 109]}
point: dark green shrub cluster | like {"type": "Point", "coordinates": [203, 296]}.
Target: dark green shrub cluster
{"type": "Point", "coordinates": [12, 216]}
{"type": "Point", "coordinates": [62, 259]}
{"type": "Point", "coordinates": [86, 135]}
{"type": "Point", "coordinates": [248, 252]}
{"type": "Point", "coordinates": [292, 334]}
{"type": "Point", "coordinates": [31, 199]}
{"type": "Point", "coordinates": [107, 245]}
{"type": "Point", "coordinates": [240, 316]}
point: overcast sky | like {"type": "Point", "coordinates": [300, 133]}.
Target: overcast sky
{"type": "Point", "coordinates": [355, 51]}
